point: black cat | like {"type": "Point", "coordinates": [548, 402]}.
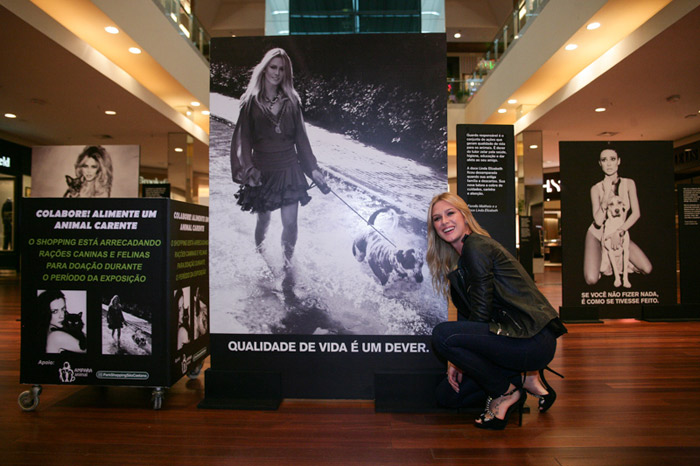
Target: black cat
{"type": "Point", "coordinates": [73, 325]}
{"type": "Point", "coordinates": [74, 186]}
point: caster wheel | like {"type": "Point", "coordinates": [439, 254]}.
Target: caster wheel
{"type": "Point", "coordinates": [28, 400]}
{"type": "Point", "coordinates": [194, 373]}
{"type": "Point", "coordinates": [157, 398]}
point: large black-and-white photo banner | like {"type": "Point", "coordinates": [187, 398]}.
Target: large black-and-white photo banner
{"type": "Point", "coordinates": [324, 156]}
{"type": "Point", "coordinates": [618, 225]}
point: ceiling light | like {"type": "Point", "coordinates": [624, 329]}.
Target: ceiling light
{"type": "Point", "coordinates": [571, 47]}
{"type": "Point", "coordinates": [502, 110]}
{"type": "Point", "coordinates": [205, 112]}
{"type": "Point", "coordinates": [513, 101]}
{"type": "Point", "coordinates": [188, 112]}
{"type": "Point", "coordinates": [534, 146]}
{"type": "Point", "coordinates": [194, 103]}
{"type": "Point", "coordinates": [184, 30]}
{"type": "Point", "coordinates": [112, 30]}
{"type": "Point", "coordinates": [110, 112]}
{"type": "Point", "coordinates": [458, 34]}
{"type": "Point", "coordinates": [135, 50]}
{"type": "Point", "coordinates": [179, 149]}
{"type": "Point", "coordinates": [593, 26]}
{"type": "Point", "coordinates": [10, 115]}
{"type": "Point", "coordinates": [600, 109]}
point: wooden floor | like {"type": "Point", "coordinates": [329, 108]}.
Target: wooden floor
{"type": "Point", "coordinates": [631, 397]}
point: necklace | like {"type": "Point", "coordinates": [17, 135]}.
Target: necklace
{"type": "Point", "coordinates": [276, 120]}
{"type": "Point", "coordinates": [272, 101]}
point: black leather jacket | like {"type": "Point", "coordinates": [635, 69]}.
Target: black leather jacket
{"type": "Point", "coordinates": [489, 285]}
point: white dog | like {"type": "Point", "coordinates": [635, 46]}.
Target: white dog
{"type": "Point", "coordinates": [386, 261]}
{"type": "Point", "coordinates": [617, 254]}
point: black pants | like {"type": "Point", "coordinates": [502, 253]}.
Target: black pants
{"type": "Point", "coordinates": [491, 362]}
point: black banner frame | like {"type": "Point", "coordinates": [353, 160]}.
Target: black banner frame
{"type": "Point", "coordinates": [91, 250]}
{"type": "Point", "coordinates": [345, 366]}
{"type": "Point", "coordinates": [649, 166]}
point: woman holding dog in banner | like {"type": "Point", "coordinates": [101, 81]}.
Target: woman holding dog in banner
{"type": "Point", "coordinates": [595, 261]}
{"type": "Point", "coordinates": [270, 150]}
{"type": "Point", "coordinates": [510, 327]}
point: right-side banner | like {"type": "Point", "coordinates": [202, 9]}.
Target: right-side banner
{"type": "Point", "coordinates": [618, 225]}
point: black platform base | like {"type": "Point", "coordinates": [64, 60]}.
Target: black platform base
{"type": "Point", "coordinates": [406, 392]}
{"type": "Point", "coordinates": [580, 315]}
{"type": "Point", "coordinates": [670, 313]}
{"type": "Point", "coordinates": [241, 390]}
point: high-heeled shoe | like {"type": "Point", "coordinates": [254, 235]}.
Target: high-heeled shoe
{"type": "Point", "coordinates": [546, 401]}
{"type": "Point", "coordinates": [493, 423]}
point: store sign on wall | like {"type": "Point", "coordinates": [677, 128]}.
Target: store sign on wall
{"type": "Point", "coordinates": [552, 186]}
{"type": "Point", "coordinates": [687, 157]}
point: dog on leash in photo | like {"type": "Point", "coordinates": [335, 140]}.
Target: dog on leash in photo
{"type": "Point", "coordinates": [387, 262]}
{"type": "Point", "coordinates": [617, 254]}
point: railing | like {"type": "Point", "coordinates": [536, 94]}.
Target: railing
{"type": "Point", "coordinates": [180, 13]}
{"type": "Point", "coordinates": [514, 27]}
{"type": "Point", "coordinates": [460, 91]}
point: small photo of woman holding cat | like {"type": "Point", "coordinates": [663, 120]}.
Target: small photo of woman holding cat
{"type": "Point", "coordinates": [65, 330]}
{"type": "Point", "coordinates": [93, 174]}
{"type": "Point", "coordinates": [85, 171]}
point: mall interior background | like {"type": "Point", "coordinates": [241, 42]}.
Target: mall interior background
{"type": "Point", "coordinates": [66, 80]}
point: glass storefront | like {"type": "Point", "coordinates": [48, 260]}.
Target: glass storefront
{"type": "Point", "coordinates": [15, 169]}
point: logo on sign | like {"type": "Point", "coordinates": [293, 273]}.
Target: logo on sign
{"type": "Point", "coordinates": [66, 374]}
{"type": "Point", "coordinates": [5, 161]}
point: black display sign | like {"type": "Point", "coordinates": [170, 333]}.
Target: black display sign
{"type": "Point", "coordinates": [155, 190]}
{"type": "Point", "coordinates": [527, 251]}
{"type": "Point", "coordinates": [302, 297]}
{"type": "Point", "coordinates": [619, 246]}
{"type": "Point", "coordinates": [688, 247]}
{"type": "Point", "coordinates": [486, 178]}
{"type": "Point", "coordinates": [114, 291]}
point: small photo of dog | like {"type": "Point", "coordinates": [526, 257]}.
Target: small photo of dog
{"type": "Point", "coordinates": [387, 262]}
{"type": "Point", "coordinates": [615, 216]}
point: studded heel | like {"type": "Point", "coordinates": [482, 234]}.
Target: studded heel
{"type": "Point", "coordinates": [493, 423]}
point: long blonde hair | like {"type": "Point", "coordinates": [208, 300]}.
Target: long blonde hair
{"type": "Point", "coordinates": [441, 256]}
{"type": "Point", "coordinates": [105, 173]}
{"type": "Point", "coordinates": [256, 87]}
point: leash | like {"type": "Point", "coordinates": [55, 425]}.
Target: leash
{"type": "Point", "coordinates": [325, 189]}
